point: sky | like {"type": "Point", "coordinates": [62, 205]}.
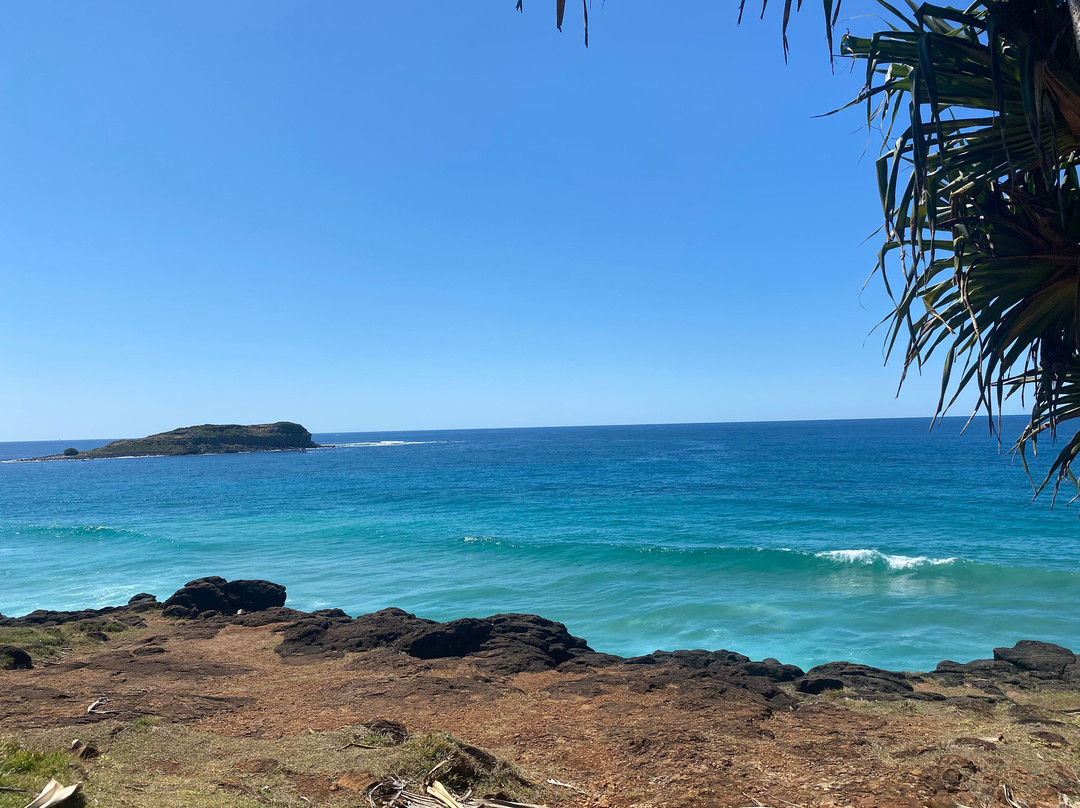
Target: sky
{"type": "Point", "coordinates": [386, 216]}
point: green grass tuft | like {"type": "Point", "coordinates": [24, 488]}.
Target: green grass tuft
{"type": "Point", "coordinates": [38, 642]}
{"type": "Point", "coordinates": [28, 770]}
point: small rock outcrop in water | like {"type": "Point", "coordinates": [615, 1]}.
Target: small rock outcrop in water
{"type": "Point", "coordinates": [214, 595]}
{"type": "Point", "coordinates": [204, 439]}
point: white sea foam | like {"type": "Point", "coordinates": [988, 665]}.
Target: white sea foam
{"type": "Point", "coordinates": [894, 562]}
{"type": "Point", "coordinates": [482, 539]}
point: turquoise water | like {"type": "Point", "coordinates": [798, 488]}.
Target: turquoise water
{"type": "Point", "coordinates": [875, 541]}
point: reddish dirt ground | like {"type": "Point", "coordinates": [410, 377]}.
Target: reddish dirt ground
{"type": "Point", "coordinates": [624, 739]}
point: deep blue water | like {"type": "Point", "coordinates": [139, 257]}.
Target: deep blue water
{"type": "Point", "coordinates": [876, 541]}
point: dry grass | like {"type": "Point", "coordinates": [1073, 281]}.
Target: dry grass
{"type": "Point", "coordinates": [45, 644]}
{"type": "Point", "coordinates": [148, 764]}
{"type": "Point", "coordinates": [458, 765]}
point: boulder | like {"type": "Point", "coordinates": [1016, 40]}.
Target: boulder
{"type": "Point", "coordinates": [254, 595]}
{"type": "Point", "coordinates": [773, 670]}
{"type": "Point", "coordinates": [205, 596]}
{"type": "Point", "coordinates": [816, 685]}
{"type": "Point", "coordinates": [457, 638]}
{"type": "Point", "coordinates": [503, 643]}
{"type": "Point", "coordinates": [143, 602]}
{"type": "Point", "coordinates": [200, 595]}
{"type": "Point", "coordinates": [330, 613]}
{"type": "Point", "coordinates": [176, 611]}
{"type": "Point", "coordinates": [1040, 659]}
{"type": "Point", "coordinates": [217, 580]}
{"type": "Point", "coordinates": [1029, 664]}
{"type": "Point", "coordinates": [13, 658]}
{"type": "Point", "coordinates": [526, 642]}
{"type": "Point", "coordinates": [863, 680]}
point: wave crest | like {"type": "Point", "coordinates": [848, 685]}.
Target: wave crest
{"type": "Point", "coordinates": [878, 558]}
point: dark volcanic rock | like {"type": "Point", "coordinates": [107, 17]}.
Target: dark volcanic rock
{"type": "Point", "coordinates": [697, 679]}
{"type": "Point", "coordinates": [276, 614]}
{"type": "Point", "coordinates": [44, 618]}
{"type": "Point", "coordinates": [525, 642]}
{"type": "Point", "coordinates": [696, 659]}
{"type": "Point", "coordinates": [329, 613]}
{"type": "Point", "coordinates": [732, 664]}
{"type": "Point", "coordinates": [773, 670]}
{"type": "Point", "coordinates": [863, 680]}
{"type": "Point", "coordinates": [200, 595]}
{"type": "Point", "coordinates": [816, 685]}
{"type": "Point", "coordinates": [1040, 659]}
{"type": "Point", "coordinates": [504, 643]}
{"type": "Point", "coordinates": [331, 636]}
{"type": "Point", "coordinates": [254, 596]}
{"type": "Point", "coordinates": [13, 658]}
{"type": "Point", "coordinates": [457, 638]}
{"type": "Point", "coordinates": [213, 595]}
{"type": "Point", "coordinates": [1027, 665]}
{"type": "Point", "coordinates": [143, 602]}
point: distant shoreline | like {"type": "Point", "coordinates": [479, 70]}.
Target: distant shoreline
{"type": "Point", "coordinates": [80, 458]}
{"type": "Point", "coordinates": [412, 431]}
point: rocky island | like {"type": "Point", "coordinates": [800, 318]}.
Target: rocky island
{"type": "Point", "coordinates": [203, 439]}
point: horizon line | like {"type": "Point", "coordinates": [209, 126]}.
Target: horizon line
{"type": "Point", "coordinates": [931, 419]}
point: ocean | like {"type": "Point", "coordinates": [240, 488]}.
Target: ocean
{"type": "Point", "coordinates": [875, 541]}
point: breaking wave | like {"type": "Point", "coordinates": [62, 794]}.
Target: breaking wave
{"type": "Point", "coordinates": [878, 558]}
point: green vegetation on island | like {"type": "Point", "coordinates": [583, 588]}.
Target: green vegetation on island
{"type": "Point", "coordinates": [204, 439]}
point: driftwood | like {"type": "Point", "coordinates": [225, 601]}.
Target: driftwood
{"type": "Point", "coordinates": [561, 784]}
{"type": "Point", "coordinates": [93, 708]}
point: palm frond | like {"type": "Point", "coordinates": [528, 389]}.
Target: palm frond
{"type": "Point", "coordinates": [981, 203]}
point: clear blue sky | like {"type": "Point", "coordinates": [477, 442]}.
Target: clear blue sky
{"type": "Point", "coordinates": [379, 216]}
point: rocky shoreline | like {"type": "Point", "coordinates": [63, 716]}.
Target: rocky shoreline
{"type": "Point", "coordinates": [287, 700]}
{"type": "Point", "coordinates": [509, 644]}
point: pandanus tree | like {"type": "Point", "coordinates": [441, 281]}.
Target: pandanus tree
{"type": "Point", "coordinates": [979, 110]}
